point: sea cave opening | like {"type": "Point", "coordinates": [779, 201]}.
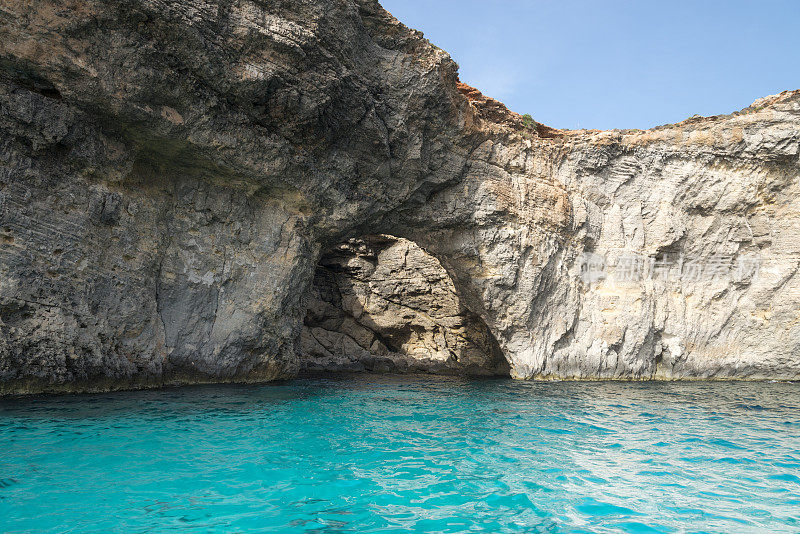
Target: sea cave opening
{"type": "Point", "coordinates": [382, 304]}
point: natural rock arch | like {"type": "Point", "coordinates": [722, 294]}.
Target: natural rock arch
{"type": "Point", "coordinates": [171, 172]}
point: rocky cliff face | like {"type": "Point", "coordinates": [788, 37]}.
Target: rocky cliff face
{"type": "Point", "coordinates": [171, 173]}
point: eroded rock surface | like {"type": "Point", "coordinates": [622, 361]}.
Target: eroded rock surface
{"type": "Point", "coordinates": [171, 172]}
{"type": "Point", "coordinates": [381, 304]}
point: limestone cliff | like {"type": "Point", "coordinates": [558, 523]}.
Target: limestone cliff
{"type": "Point", "coordinates": [171, 173]}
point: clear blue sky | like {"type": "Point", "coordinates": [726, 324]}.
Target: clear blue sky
{"type": "Point", "coordinates": [616, 63]}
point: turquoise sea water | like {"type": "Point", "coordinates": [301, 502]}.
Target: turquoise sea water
{"type": "Point", "coordinates": [372, 454]}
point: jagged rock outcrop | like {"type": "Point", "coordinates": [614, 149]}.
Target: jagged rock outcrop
{"type": "Point", "coordinates": [381, 304]}
{"type": "Point", "coordinates": [171, 172]}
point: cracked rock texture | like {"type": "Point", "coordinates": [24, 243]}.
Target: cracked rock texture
{"type": "Point", "coordinates": [172, 172]}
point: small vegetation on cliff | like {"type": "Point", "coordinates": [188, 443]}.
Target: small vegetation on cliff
{"type": "Point", "coordinates": [528, 121]}
{"type": "Point", "coordinates": [529, 126]}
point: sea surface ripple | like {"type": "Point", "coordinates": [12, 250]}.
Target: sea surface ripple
{"type": "Point", "coordinates": [416, 454]}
